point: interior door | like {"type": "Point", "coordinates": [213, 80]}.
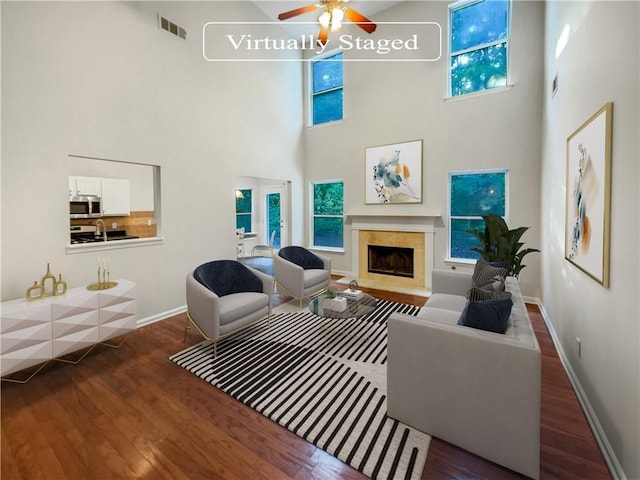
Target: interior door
{"type": "Point", "coordinates": [274, 215]}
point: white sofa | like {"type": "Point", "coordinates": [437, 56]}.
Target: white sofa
{"type": "Point", "coordinates": [475, 389]}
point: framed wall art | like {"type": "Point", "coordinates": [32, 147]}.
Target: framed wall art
{"type": "Point", "coordinates": [588, 201]}
{"type": "Point", "coordinates": [393, 173]}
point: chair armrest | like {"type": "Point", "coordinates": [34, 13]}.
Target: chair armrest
{"type": "Point", "coordinates": [451, 282]}
{"type": "Point", "coordinates": [203, 307]}
{"type": "Point", "coordinates": [289, 275]}
{"type": "Point", "coordinates": [478, 390]}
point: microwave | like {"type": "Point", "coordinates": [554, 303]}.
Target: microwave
{"type": "Point", "coordinates": [85, 206]}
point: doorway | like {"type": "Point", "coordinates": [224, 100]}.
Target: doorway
{"type": "Point", "coordinates": [274, 215]}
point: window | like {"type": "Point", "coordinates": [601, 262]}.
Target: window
{"type": "Point", "coordinates": [326, 90]}
{"type": "Point", "coordinates": [471, 195]}
{"type": "Point", "coordinates": [328, 211]}
{"type": "Point", "coordinates": [478, 38]}
{"type": "Point", "coordinates": [244, 209]}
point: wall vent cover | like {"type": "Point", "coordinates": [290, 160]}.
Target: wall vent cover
{"type": "Point", "coordinates": [171, 27]}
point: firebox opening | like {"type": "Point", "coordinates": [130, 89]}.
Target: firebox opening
{"type": "Point", "coordinates": [396, 261]}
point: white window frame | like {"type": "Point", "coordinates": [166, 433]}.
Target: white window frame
{"type": "Point", "coordinates": [312, 216]}
{"type": "Point", "coordinates": [472, 217]}
{"type": "Point", "coordinates": [507, 40]}
{"type": "Point", "coordinates": [252, 208]}
{"type": "Point", "coordinates": [310, 93]}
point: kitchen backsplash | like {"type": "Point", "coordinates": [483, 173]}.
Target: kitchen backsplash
{"type": "Point", "coordinates": [136, 224]}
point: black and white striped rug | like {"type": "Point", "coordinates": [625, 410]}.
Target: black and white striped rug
{"type": "Point", "coordinates": [324, 380]}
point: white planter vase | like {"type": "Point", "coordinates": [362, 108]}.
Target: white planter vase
{"type": "Point", "coordinates": [335, 304]}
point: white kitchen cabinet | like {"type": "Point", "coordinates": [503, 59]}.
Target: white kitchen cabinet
{"type": "Point", "coordinates": [115, 196]}
{"type": "Point", "coordinates": [35, 332]}
{"type": "Point", "coordinates": [87, 186]}
{"type": "Point", "coordinates": [113, 192]}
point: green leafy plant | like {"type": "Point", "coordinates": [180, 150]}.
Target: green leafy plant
{"type": "Point", "coordinates": [500, 244]}
{"type": "Point", "coordinates": [331, 292]}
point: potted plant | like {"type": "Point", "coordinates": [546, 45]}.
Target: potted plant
{"type": "Point", "coordinates": [500, 244]}
{"type": "Point", "coordinates": [333, 300]}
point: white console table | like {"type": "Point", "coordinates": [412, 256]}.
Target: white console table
{"type": "Point", "coordinates": [34, 332]}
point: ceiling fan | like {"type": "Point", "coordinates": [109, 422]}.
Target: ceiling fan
{"type": "Point", "coordinates": [331, 19]}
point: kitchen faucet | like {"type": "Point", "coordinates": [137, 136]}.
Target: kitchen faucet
{"type": "Point", "coordinates": [104, 228]}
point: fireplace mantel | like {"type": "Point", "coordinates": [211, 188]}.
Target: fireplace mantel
{"type": "Point", "coordinates": [360, 217]}
{"type": "Point", "coordinates": [397, 223]}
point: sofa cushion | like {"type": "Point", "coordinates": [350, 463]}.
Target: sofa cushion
{"type": "Point", "coordinates": [225, 277]}
{"type": "Point", "coordinates": [313, 277]}
{"type": "Point", "coordinates": [489, 276]}
{"type": "Point", "coordinates": [237, 305]}
{"type": "Point", "coordinates": [447, 301]}
{"type": "Point", "coordinates": [301, 257]}
{"type": "Point", "coordinates": [439, 315]}
{"type": "Point", "coordinates": [489, 315]}
{"type": "Point", "coordinates": [476, 294]}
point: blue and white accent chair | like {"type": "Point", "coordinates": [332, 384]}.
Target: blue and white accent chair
{"type": "Point", "coordinates": [301, 273]}
{"type": "Point", "coordinates": [224, 296]}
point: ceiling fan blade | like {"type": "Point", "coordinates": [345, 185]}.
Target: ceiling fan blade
{"type": "Point", "coordinates": [360, 20]}
{"type": "Point", "coordinates": [297, 11]}
{"type": "Point", "coordinates": [322, 36]}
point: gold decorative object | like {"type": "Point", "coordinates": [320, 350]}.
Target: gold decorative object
{"type": "Point", "coordinates": [35, 291]}
{"type": "Point", "coordinates": [101, 285]}
{"type": "Point", "coordinates": [103, 276]}
{"type": "Point", "coordinates": [48, 286]}
{"type": "Point", "coordinates": [48, 283]}
{"type": "Point", "coordinates": [60, 286]}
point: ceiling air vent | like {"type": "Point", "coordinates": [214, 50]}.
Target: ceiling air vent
{"type": "Point", "coordinates": [172, 27]}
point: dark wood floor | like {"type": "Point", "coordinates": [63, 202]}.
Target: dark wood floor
{"type": "Point", "coordinates": [131, 413]}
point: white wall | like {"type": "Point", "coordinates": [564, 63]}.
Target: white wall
{"type": "Point", "coordinates": [394, 102]}
{"type": "Point", "coordinates": [100, 79]}
{"type": "Point", "coordinates": [599, 65]}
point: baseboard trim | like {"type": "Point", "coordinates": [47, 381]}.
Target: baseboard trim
{"type": "Point", "coordinates": [598, 432]}
{"type": "Point", "coordinates": [161, 316]}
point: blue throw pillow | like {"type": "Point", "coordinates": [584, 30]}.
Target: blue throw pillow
{"type": "Point", "coordinates": [489, 315]}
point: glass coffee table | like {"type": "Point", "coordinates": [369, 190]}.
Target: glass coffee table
{"type": "Point", "coordinates": [356, 308]}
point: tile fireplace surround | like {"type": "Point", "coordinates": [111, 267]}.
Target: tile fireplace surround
{"type": "Point", "coordinates": [412, 231]}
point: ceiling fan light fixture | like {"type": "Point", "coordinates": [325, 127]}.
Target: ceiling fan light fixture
{"type": "Point", "coordinates": [337, 14]}
{"type": "Point", "coordinates": [325, 19]}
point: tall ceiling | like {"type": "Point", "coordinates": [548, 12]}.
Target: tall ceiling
{"type": "Point", "coordinates": [273, 8]}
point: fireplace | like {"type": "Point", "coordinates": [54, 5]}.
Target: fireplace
{"type": "Point", "coordinates": [415, 232]}
{"type": "Point", "coordinates": [393, 257]}
{"type": "Point", "coordinates": [393, 261]}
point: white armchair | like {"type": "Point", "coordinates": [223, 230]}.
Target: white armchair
{"type": "Point", "coordinates": [300, 272]}
{"type": "Point", "coordinates": [224, 296]}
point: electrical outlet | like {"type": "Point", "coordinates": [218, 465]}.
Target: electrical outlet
{"type": "Point", "coordinates": [149, 222]}
{"type": "Point", "coordinates": [578, 347]}
{"type": "Point", "coordinates": [114, 225]}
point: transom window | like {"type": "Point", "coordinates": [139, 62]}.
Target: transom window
{"type": "Point", "coordinates": [244, 207]}
{"type": "Point", "coordinates": [472, 195]}
{"type": "Point", "coordinates": [326, 89]}
{"type": "Point", "coordinates": [478, 40]}
{"type": "Point", "coordinates": [328, 214]}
